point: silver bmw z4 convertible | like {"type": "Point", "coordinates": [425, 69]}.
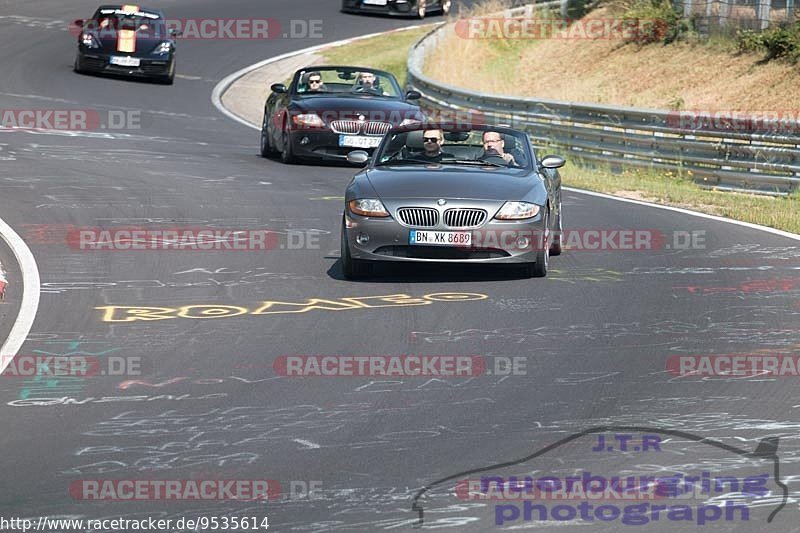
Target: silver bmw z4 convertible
{"type": "Point", "coordinates": [452, 193]}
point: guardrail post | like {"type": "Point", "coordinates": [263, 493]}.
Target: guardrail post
{"type": "Point", "coordinates": [724, 12]}
{"type": "Point", "coordinates": [564, 8]}
{"type": "Point", "coordinates": [687, 8]}
{"type": "Point", "coordinates": [790, 11]}
{"type": "Point", "coordinates": [763, 13]}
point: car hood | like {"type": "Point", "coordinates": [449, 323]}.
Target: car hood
{"type": "Point", "coordinates": [143, 45]}
{"type": "Point", "coordinates": [456, 182]}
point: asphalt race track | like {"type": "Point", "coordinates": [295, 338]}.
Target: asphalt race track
{"type": "Point", "coordinates": [593, 338]}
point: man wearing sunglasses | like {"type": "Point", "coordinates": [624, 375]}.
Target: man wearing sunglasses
{"type": "Point", "coordinates": [494, 147]}
{"type": "Point", "coordinates": [432, 146]}
{"type": "Point", "coordinates": [314, 82]}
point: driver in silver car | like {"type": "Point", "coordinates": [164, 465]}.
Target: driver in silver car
{"type": "Point", "coordinates": [494, 146]}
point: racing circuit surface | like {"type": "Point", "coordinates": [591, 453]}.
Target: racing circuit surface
{"type": "Point", "coordinates": [592, 340]}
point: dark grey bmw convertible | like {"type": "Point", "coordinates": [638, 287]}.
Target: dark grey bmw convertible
{"type": "Point", "coordinates": [452, 193]}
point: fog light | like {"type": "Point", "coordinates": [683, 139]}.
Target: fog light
{"type": "Point", "coordinates": [362, 238]}
{"type": "Point", "coordinates": [523, 243]}
{"type": "Point", "coordinates": [304, 140]}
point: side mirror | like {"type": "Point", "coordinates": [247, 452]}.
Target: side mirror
{"type": "Point", "coordinates": [413, 95]}
{"type": "Point", "coordinates": [278, 88]}
{"type": "Point", "coordinates": [79, 22]}
{"type": "Point", "coordinates": [358, 157]}
{"type": "Point", "coordinates": [175, 32]}
{"type": "Point", "coordinates": [552, 161]}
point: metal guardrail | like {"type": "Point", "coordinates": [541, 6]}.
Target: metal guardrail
{"type": "Point", "coordinates": [765, 161]}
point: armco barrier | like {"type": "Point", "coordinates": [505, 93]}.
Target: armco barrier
{"type": "Point", "coordinates": [764, 160]}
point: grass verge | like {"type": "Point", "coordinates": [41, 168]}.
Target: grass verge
{"type": "Point", "coordinates": [389, 52]}
{"type": "Point", "coordinates": [385, 52]}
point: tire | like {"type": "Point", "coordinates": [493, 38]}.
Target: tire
{"type": "Point", "coordinates": [267, 150]}
{"type": "Point", "coordinates": [352, 268]}
{"type": "Point", "coordinates": [76, 66]}
{"type": "Point", "coordinates": [558, 238]}
{"type": "Point", "coordinates": [446, 5]}
{"type": "Point", "coordinates": [421, 9]}
{"type": "Point", "coordinates": [169, 79]}
{"type": "Point", "coordinates": [539, 268]}
{"type": "Point", "coordinates": [287, 155]}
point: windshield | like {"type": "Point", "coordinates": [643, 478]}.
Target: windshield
{"type": "Point", "coordinates": [144, 24]}
{"type": "Point", "coordinates": [481, 148]}
{"type": "Point", "coordinates": [353, 81]}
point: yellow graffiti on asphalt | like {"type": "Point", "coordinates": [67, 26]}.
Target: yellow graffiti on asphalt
{"type": "Point", "coordinates": [124, 313]}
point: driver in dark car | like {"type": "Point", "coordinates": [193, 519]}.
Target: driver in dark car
{"type": "Point", "coordinates": [494, 146]}
{"type": "Point", "coordinates": [314, 82]}
{"type": "Point", "coordinates": [366, 81]}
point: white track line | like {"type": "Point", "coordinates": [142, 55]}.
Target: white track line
{"type": "Point", "coordinates": [30, 295]}
{"type": "Point", "coordinates": [222, 86]}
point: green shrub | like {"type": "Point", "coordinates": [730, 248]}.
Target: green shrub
{"type": "Point", "coordinates": [777, 42]}
{"type": "Point", "coordinates": [652, 21]}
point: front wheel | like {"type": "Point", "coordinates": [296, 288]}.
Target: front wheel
{"type": "Point", "coordinates": [169, 79]}
{"type": "Point", "coordinates": [539, 268]}
{"type": "Point", "coordinates": [352, 268]}
{"type": "Point", "coordinates": [421, 9]}
{"type": "Point", "coordinates": [446, 5]}
{"type": "Point", "coordinates": [558, 236]}
{"type": "Point", "coordinates": [287, 154]}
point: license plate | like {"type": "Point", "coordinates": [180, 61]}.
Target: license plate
{"type": "Point", "coordinates": [441, 238]}
{"type": "Point", "coordinates": [125, 61]}
{"type": "Point", "coordinates": [375, 2]}
{"type": "Point", "coordinates": [358, 141]}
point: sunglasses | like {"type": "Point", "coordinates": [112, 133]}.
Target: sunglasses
{"type": "Point", "coordinates": [314, 81]}
{"type": "Point", "coordinates": [431, 139]}
{"type": "Point", "coordinates": [492, 140]}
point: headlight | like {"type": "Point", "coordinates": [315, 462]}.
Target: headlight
{"type": "Point", "coordinates": [309, 120]}
{"type": "Point", "coordinates": [368, 207]}
{"type": "Point", "coordinates": [163, 48]}
{"type": "Point", "coordinates": [410, 122]}
{"type": "Point", "coordinates": [517, 211]}
{"type": "Point", "coordinates": [88, 40]}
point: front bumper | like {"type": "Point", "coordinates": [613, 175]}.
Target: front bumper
{"type": "Point", "coordinates": [148, 67]}
{"type": "Point", "coordinates": [493, 242]}
{"type": "Point", "coordinates": [322, 145]}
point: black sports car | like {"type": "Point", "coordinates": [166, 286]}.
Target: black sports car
{"type": "Point", "coordinates": [328, 111]}
{"type": "Point", "coordinates": [403, 8]}
{"type": "Point", "coordinates": [126, 40]}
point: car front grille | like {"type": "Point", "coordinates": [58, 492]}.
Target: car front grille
{"type": "Point", "coordinates": [464, 218]}
{"type": "Point", "coordinates": [376, 128]}
{"type": "Point", "coordinates": [419, 217]}
{"type": "Point", "coordinates": [358, 126]}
